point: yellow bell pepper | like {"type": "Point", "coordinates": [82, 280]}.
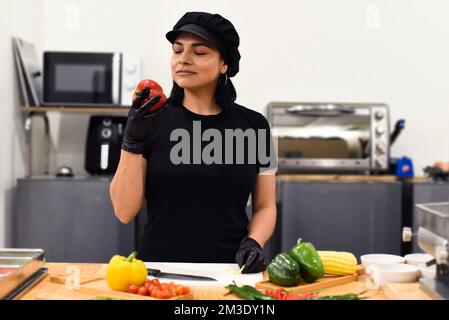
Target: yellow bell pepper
{"type": "Point", "coordinates": [123, 272]}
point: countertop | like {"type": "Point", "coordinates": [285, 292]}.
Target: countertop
{"type": "Point", "coordinates": [200, 291]}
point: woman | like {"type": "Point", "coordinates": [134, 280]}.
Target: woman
{"type": "Point", "coordinates": [195, 201]}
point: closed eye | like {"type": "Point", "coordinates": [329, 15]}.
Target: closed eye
{"type": "Point", "coordinates": [197, 53]}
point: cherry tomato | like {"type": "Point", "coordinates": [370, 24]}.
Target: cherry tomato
{"type": "Point", "coordinates": [132, 288]}
{"type": "Point", "coordinates": [143, 291]}
{"type": "Point", "coordinates": [181, 290]}
{"type": "Point", "coordinates": [147, 283]}
{"type": "Point", "coordinates": [152, 291]}
{"type": "Point", "coordinates": [156, 282]}
{"type": "Point", "coordinates": [164, 294]}
{"type": "Point", "coordinates": [185, 290]}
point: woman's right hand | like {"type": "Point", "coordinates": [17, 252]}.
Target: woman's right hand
{"type": "Point", "coordinates": [139, 122]}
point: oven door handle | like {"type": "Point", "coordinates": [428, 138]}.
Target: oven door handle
{"type": "Point", "coordinates": [328, 110]}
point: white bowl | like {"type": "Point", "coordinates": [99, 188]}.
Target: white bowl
{"type": "Point", "coordinates": [428, 272]}
{"type": "Point", "coordinates": [393, 273]}
{"type": "Point", "coordinates": [371, 259]}
{"type": "Point", "coordinates": [418, 258]}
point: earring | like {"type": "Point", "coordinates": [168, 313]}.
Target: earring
{"type": "Point", "coordinates": [226, 79]}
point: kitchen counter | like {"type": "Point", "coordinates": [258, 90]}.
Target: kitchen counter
{"type": "Point", "coordinates": [341, 178]}
{"type": "Point", "coordinates": [46, 289]}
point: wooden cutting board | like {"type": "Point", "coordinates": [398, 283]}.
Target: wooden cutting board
{"type": "Point", "coordinates": [86, 293]}
{"type": "Point", "coordinates": [91, 285]}
{"type": "Point", "coordinates": [322, 283]}
{"type": "Point", "coordinates": [405, 291]}
{"type": "Point", "coordinates": [327, 281]}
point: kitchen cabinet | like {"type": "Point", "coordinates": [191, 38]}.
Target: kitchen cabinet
{"type": "Point", "coordinates": [357, 216]}
{"type": "Point", "coordinates": [72, 219]}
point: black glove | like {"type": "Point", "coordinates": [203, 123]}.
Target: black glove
{"type": "Point", "coordinates": [139, 122]}
{"type": "Point", "coordinates": [250, 254]}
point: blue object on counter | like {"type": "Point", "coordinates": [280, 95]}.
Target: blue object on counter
{"type": "Point", "coordinates": [404, 167]}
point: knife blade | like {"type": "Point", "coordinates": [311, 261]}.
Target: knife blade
{"type": "Point", "coordinates": [177, 276]}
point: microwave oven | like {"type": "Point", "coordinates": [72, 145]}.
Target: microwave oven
{"type": "Point", "coordinates": [331, 137]}
{"type": "Point", "coordinates": [73, 78]}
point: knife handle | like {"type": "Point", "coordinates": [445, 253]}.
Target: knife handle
{"type": "Point", "coordinates": [153, 272]}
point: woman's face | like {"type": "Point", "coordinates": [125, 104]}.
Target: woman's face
{"type": "Point", "coordinates": [200, 61]}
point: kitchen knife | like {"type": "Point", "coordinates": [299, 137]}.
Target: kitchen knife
{"type": "Point", "coordinates": [177, 276]}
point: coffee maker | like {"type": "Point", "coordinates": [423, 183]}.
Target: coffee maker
{"type": "Point", "coordinates": [103, 145]}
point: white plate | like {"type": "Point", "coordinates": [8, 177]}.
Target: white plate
{"type": "Point", "coordinates": [428, 272]}
{"type": "Point", "coordinates": [417, 258]}
{"type": "Point", "coordinates": [370, 259]}
{"type": "Point", "coordinates": [393, 273]}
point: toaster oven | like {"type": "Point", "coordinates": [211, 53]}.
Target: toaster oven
{"type": "Point", "coordinates": [330, 137]}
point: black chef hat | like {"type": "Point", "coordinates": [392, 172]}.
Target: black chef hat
{"type": "Point", "coordinates": [215, 29]}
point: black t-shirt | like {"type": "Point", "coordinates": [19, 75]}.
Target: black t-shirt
{"type": "Point", "coordinates": [197, 209]}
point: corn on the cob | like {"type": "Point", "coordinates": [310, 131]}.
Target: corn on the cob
{"type": "Point", "coordinates": [338, 262]}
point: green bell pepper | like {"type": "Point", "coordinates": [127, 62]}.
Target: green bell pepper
{"type": "Point", "coordinates": [310, 264]}
{"type": "Point", "coordinates": [283, 270]}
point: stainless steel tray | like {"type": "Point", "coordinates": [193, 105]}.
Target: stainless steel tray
{"type": "Point", "coordinates": [434, 217]}
{"type": "Point", "coordinates": [22, 253]}
{"type": "Point", "coordinates": [26, 261]}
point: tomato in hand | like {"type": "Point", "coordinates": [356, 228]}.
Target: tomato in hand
{"type": "Point", "coordinates": [155, 90]}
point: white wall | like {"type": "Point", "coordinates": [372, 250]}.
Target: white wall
{"type": "Point", "coordinates": [299, 50]}
{"type": "Point", "coordinates": [21, 18]}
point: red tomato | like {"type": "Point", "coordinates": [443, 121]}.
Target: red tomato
{"type": "Point", "coordinates": [153, 290]}
{"type": "Point", "coordinates": [185, 290]}
{"type": "Point", "coordinates": [143, 291]}
{"type": "Point", "coordinates": [132, 288]}
{"type": "Point", "coordinates": [148, 83]}
{"type": "Point", "coordinates": [155, 293]}
{"type": "Point", "coordinates": [155, 90]}
{"type": "Point", "coordinates": [281, 294]}
{"type": "Point", "coordinates": [181, 290]}
{"type": "Point", "coordinates": [147, 283]}
{"type": "Point", "coordinates": [163, 294]}
{"type": "Point", "coordinates": [155, 282]}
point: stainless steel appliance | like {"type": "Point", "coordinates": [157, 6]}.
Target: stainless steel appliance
{"type": "Point", "coordinates": [89, 78]}
{"type": "Point", "coordinates": [20, 269]}
{"type": "Point", "coordinates": [330, 137]}
{"type": "Point", "coordinates": [433, 238]}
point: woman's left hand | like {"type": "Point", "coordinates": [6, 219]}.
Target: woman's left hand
{"type": "Point", "coordinates": [250, 255]}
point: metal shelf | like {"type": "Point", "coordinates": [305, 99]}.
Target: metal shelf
{"type": "Point", "coordinates": [31, 112]}
{"type": "Point", "coordinates": [64, 109]}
